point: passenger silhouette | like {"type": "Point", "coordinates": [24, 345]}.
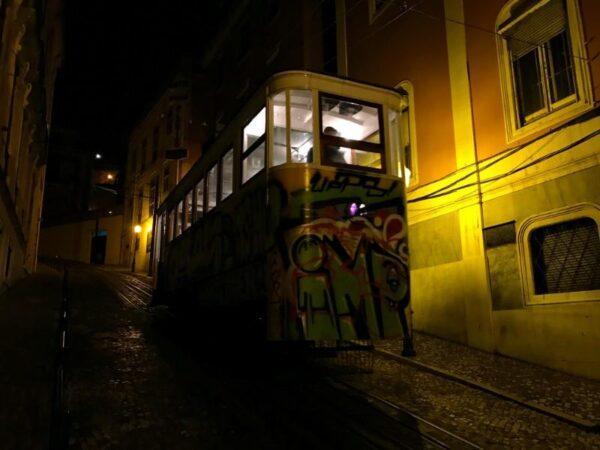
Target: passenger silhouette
{"type": "Point", "coordinates": [332, 152]}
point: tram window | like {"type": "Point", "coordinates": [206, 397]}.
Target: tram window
{"type": "Point", "coordinates": [255, 129]}
{"type": "Point", "coordinates": [184, 211]}
{"type": "Point", "coordinates": [170, 225]}
{"type": "Point", "coordinates": [227, 174]}
{"type": "Point", "coordinates": [189, 205]}
{"type": "Point", "coordinates": [279, 130]}
{"type": "Point", "coordinates": [301, 117]}
{"type": "Point", "coordinates": [200, 199]}
{"type": "Point", "coordinates": [178, 217]}
{"type": "Point", "coordinates": [350, 133]}
{"type": "Point", "coordinates": [253, 162]}
{"type": "Point", "coordinates": [211, 186]}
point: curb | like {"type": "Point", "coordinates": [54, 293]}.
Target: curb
{"type": "Point", "coordinates": [557, 414]}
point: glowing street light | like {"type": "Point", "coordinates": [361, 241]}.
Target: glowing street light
{"type": "Point", "coordinates": [98, 156]}
{"type": "Point", "coordinates": [137, 229]}
{"type": "Point", "coordinates": [109, 176]}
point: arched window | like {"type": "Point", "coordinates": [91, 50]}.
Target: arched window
{"type": "Point", "coordinates": [559, 254]}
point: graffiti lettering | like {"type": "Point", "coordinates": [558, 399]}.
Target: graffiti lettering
{"type": "Point", "coordinates": [373, 186]}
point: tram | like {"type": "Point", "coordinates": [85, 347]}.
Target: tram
{"type": "Point", "coordinates": [294, 220]}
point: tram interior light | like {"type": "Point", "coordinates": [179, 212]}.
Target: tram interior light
{"type": "Point", "coordinates": [407, 175]}
{"type": "Point", "coordinates": [255, 128]}
{"type": "Point", "coordinates": [305, 148]}
{"type": "Point", "coordinates": [348, 129]}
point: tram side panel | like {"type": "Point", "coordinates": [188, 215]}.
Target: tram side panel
{"type": "Point", "coordinates": [338, 260]}
{"type": "Point", "coordinates": [219, 265]}
{"type": "Point", "coordinates": [318, 253]}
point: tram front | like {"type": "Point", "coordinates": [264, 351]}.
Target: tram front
{"type": "Point", "coordinates": [338, 259]}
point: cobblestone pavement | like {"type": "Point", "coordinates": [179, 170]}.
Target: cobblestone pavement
{"type": "Point", "coordinates": [130, 386]}
{"type": "Point", "coordinates": [137, 379]}
{"type": "Point", "coordinates": [573, 395]}
{"type": "Point", "coordinates": [477, 416]}
{"type": "Point", "coordinates": [136, 382]}
{"type": "Point", "coordinates": [28, 313]}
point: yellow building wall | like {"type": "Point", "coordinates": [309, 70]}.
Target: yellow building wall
{"type": "Point", "coordinates": [73, 241]}
{"type": "Point", "coordinates": [463, 291]}
{"type": "Point", "coordinates": [142, 255]}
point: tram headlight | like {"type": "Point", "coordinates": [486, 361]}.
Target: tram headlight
{"type": "Point", "coordinates": [137, 229]}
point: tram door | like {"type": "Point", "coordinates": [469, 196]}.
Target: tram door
{"type": "Point", "coordinates": [98, 253]}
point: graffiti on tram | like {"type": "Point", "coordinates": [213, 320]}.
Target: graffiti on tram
{"type": "Point", "coordinates": [341, 270]}
{"type": "Point", "coordinates": [329, 254]}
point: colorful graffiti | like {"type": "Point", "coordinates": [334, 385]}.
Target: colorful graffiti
{"type": "Point", "coordinates": [321, 252]}
{"type": "Point", "coordinates": [340, 269]}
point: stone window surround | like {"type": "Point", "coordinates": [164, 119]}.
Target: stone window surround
{"type": "Point", "coordinates": [584, 98]}
{"type": "Point", "coordinates": [565, 214]}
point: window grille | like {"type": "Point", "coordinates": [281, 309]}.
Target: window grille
{"type": "Point", "coordinates": [566, 257]}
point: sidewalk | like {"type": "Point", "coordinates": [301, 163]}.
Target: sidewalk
{"type": "Point", "coordinates": [556, 393]}
{"type": "Point", "coordinates": [28, 332]}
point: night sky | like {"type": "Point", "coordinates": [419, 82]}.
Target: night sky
{"type": "Point", "coordinates": [118, 56]}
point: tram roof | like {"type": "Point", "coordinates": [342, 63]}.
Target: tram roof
{"type": "Point", "coordinates": [292, 79]}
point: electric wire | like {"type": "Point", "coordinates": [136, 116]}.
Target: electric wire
{"type": "Point", "coordinates": [517, 169]}
{"type": "Point", "coordinates": [492, 32]}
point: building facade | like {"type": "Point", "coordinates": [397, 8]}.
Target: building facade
{"type": "Point", "coordinates": [91, 238]}
{"type": "Point", "coordinates": [500, 137]}
{"type": "Point", "coordinates": [502, 144]}
{"type": "Point", "coordinates": [30, 54]}
{"type": "Point", "coordinates": [196, 107]}
{"type": "Point", "coordinates": [162, 148]}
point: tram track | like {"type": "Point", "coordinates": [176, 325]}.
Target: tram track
{"type": "Point", "coordinates": [366, 419]}
{"type": "Point", "coordinates": [569, 419]}
{"type": "Point", "coordinates": [432, 435]}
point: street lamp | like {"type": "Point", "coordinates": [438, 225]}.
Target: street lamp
{"type": "Point", "coordinates": [137, 230]}
{"type": "Point", "coordinates": [98, 156]}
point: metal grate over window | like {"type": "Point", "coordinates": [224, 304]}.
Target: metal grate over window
{"type": "Point", "coordinates": [566, 257]}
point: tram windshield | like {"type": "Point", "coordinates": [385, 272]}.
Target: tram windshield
{"type": "Point", "coordinates": [350, 131]}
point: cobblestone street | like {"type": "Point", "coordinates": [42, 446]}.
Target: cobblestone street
{"type": "Point", "coordinates": [138, 378]}
{"type": "Point", "coordinates": [131, 378]}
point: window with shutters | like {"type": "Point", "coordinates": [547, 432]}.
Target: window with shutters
{"type": "Point", "coordinates": [561, 255]}
{"type": "Point", "coordinates": [544, 75]}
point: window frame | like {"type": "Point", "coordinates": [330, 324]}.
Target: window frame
{"type": "Point", "coordinates": [198, 217]}
{"type": "Point", "coordinates": [570, 213]}
{"type": "Point", "coordinates": [231, 150]}
{"type": "Point", "coordinates": [408, 87]}
{"type": "Point", "coordinates": [358, 145]}
{"type": "Point", "coordinates": [216, 165]}
{"type": "Point", "coordinates": [564, 109]}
